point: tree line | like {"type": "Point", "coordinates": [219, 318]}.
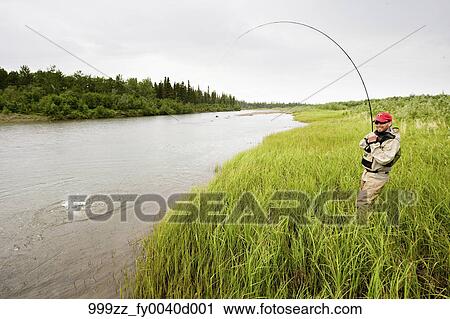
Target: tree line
{"type": "Point", "coordinates": [268, 105]}
{"type": "Point", "coordinates": [79, 96]}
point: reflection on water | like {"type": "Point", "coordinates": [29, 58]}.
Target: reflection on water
{"type": "Point", "coordinates": [42, 254]}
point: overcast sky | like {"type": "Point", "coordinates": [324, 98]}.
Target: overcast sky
{"type": "Point", "coordinates": [195, 40]}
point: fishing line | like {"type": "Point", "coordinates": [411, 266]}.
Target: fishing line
{"type": "Point", "coordinates": [330, 38]}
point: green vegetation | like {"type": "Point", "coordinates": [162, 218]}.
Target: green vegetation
{"type": "Point", "coordinates": [55, 95]}
{"type": "Point", "coordinates": [316, 260]}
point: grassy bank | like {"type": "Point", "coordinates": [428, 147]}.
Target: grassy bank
{"type": "Point", "coordinates": [21, 118]}
{"type": "Point", "coordinates": [316, 260]}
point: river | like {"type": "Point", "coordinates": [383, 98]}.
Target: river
{"type": "Point", "coordinates": [43, 253]}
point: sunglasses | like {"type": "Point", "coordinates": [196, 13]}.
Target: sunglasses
{"type": "Point", "coordinates": [378, 122]}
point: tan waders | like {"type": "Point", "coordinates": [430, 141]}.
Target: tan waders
{"type": "Point", "coordinates": [370, 188]}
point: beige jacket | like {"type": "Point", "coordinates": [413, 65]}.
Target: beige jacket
{"type": "Point", "coordinates": [379, 157]}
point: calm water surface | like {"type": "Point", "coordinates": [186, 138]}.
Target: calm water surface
{"type": "Point", "coordinates": [42, 253]}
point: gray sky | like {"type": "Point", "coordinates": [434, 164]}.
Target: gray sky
{"type": "Point", "coordinates": [194, 40]}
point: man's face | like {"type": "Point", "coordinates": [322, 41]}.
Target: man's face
{"type": "Point", "coordinates": [381, 127]}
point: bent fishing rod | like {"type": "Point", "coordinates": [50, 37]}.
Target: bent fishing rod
{"type": "Point", "coordinates": [330, 38]}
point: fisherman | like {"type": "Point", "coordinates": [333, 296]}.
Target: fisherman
{"type": "Point", "coordinates": [381, 151]}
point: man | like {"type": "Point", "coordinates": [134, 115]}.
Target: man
{"type": "Point", "coordinates": [381, 151]}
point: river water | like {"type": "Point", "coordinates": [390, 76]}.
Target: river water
{"type": "Point", "coordinates": [43, 253]}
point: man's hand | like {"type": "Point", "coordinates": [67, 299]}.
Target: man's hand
{"type": "Point", "coordinates": [372, 138]}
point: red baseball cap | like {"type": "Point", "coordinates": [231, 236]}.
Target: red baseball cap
{"type": "Point", "coordinates": [383, 117]}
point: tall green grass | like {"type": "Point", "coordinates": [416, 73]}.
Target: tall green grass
{"type": "Point", "coordinates": [284, 260]}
